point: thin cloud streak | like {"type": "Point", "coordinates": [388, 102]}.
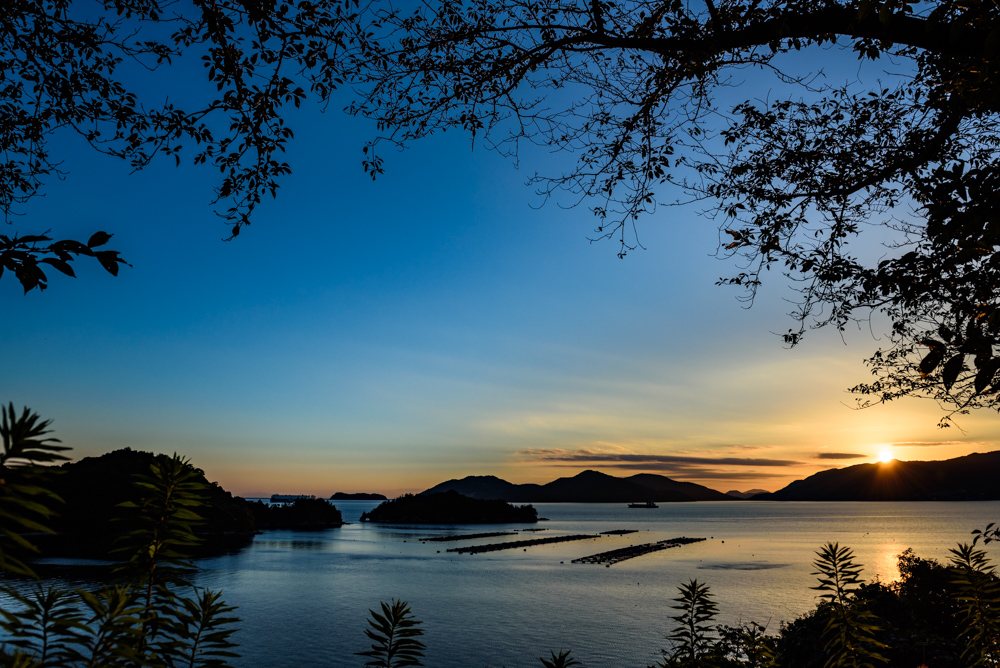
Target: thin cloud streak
{"type": "Point", "coordinates": [927, 444]}
{"type": "Point", "coordinates": [557, 455]}
{"type": "Point", "coordinates": [686, 473]}
{"type": "Point", "coordinates": [839, 455]}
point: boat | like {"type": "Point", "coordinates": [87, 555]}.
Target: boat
{"type": "Point", "coordinates": [648, 504]}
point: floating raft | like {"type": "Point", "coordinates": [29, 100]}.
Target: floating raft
{"type": "Point", "coordinates": [467, 536]}
{"type": "Point", "coordinates": [614, 556]}
{"type": "Point", "coordinates": [493, 547]}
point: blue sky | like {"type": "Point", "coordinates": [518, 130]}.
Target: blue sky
{"type": "Point", "coordinates": [436, 323]}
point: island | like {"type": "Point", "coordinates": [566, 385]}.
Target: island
{"type": "Point", "coordinates": [93, 488]}
{"type": "Point", "coordinates": [449, 508]}
{"type": "Point", "coordinates": [302, 513]}
{"type": "Point", "coordinates": [358, 496]}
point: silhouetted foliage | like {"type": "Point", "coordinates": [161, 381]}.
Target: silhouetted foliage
{"type": "Point", "coordinates": [850, 636]}
{"type": "Point", "coordinates": [27, 257]}
{"type": "Point", "coordinates": [394, 635]}
{"type": "Point", "coordinates": [634, 90]}
{"type": "Point", "coordinates": [919, 618]}
{"type": "Point", "coordinates": [560, 660]}
{"type": "Point", "coordinates": [146, 622]}
{"type": "Point", "coordinates": [26, 500]}
{"type": "Point", "coordinates": [978, 591]}
{"type": "Point", "coordinates": [987, 535]}
{"type": "Point", "coordinates": [94, 488]}
{"type": "Point", "coordinates": [693, 638]}
{"type": "Point", "coordinates": [73, 71]}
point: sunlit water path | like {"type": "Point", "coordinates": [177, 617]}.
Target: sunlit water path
{"type": "Point", "coordinates": [304, 596]}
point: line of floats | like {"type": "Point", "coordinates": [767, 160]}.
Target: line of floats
{"type": "Point", "coordinates": [607, 558]}
{"type": "Point", "coordinates": [614, 556]}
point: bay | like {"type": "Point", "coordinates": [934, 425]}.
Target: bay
{"type": "Point", "coordinates": [304, 596]}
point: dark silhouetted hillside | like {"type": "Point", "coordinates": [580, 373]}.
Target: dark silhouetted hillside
{"type": "Point", "coordinates": [585, 487]}
{"type": "Point", "coordinates": [970, 478]}
{"type": "Point", "coordinates": [300, 514]}
{"type": "Point", "coordinates": [659, 483]}
{"type": "Point", "coordinates": [737, 494]}
{"type": "Point", "coordinates": [92, 489]}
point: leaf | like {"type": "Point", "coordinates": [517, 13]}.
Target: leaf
{"type": "Point", "coordinates": [60, 265]}
{"type": "Point", "coordinates": [98, 239]}
{"type": "Point", "coordinates": [984, 377]}
{"type": "Point", "coordinates": [930, 361]}
{"type": "Point", "coordinates": [952, 368]}
{"type": "Point", "coordinates": [109, 260]}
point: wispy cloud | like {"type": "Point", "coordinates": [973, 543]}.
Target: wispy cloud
{"type": "Point", "coordinates": [928, 444]}
{"type": "Point", "coordinates": [689, 472]}
{"type": "Point", "coordinates": [839, 455]}
{"type": "Point", "coordinates": [619, 458]}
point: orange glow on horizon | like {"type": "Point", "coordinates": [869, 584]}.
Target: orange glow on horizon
{"type": "Point", "coordinates": [885, 455]}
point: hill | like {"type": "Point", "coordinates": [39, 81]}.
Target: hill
{"type": "Point", "coordinates": [449, 508]}
{"type": "Point", "coordinates": [93, 488]}
{"type": "Point", "coordinates": [970, 478]}
{"type": "Point", "coordinates": [585, 487]}
{"type": "Point", "coordinates": [735, 493]}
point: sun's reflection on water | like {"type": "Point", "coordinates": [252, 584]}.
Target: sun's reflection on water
{"type": "Point", "coordinates": [886, 565]}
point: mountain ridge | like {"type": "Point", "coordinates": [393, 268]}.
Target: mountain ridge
{"type": "Point", "coordinates": [974, 477]}
{"type": "Point", "coordinates": [585, 487]}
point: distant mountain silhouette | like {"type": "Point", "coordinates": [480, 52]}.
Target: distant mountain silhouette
{"type": "Point", "coordinates": [737, 494]}
{"type": "Point", "coordinates": [585, 487]}
{"type": "Point", "coordinates": [970, 478]}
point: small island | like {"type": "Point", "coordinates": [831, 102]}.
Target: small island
{"type": "Point", "coordinates": [302, 513]}
{"type": "Point", "coordinates": [449, 508]}
{"type": "Point", "coordinates": [358, 496]}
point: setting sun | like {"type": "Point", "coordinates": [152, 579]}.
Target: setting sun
{"type": "Point", "coordinates": [885, 455]}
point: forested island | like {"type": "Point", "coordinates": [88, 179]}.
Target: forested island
{"type": "Point", "coordinates": [90, 518]}
{"type": "Point", "coordinates": [449, 508]}
{"type": "Point", "coordinates": [358, 496]}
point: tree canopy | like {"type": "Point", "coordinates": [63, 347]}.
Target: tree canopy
{"type": "Point", "coordinates": [87, 68]}
{"type": "Point", "coordinates": [793, 175]}
{"type": "Point", "coordinates": [800, 175]}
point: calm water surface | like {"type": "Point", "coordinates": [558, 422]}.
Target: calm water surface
{"type": "Point", "coordinates": [304, 596]}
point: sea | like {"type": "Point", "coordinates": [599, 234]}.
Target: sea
{"type": "Point", "coordinates": [303, 596]}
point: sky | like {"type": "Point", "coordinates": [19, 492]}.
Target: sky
{"type": "Point", "coordinates": [436, 323]}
